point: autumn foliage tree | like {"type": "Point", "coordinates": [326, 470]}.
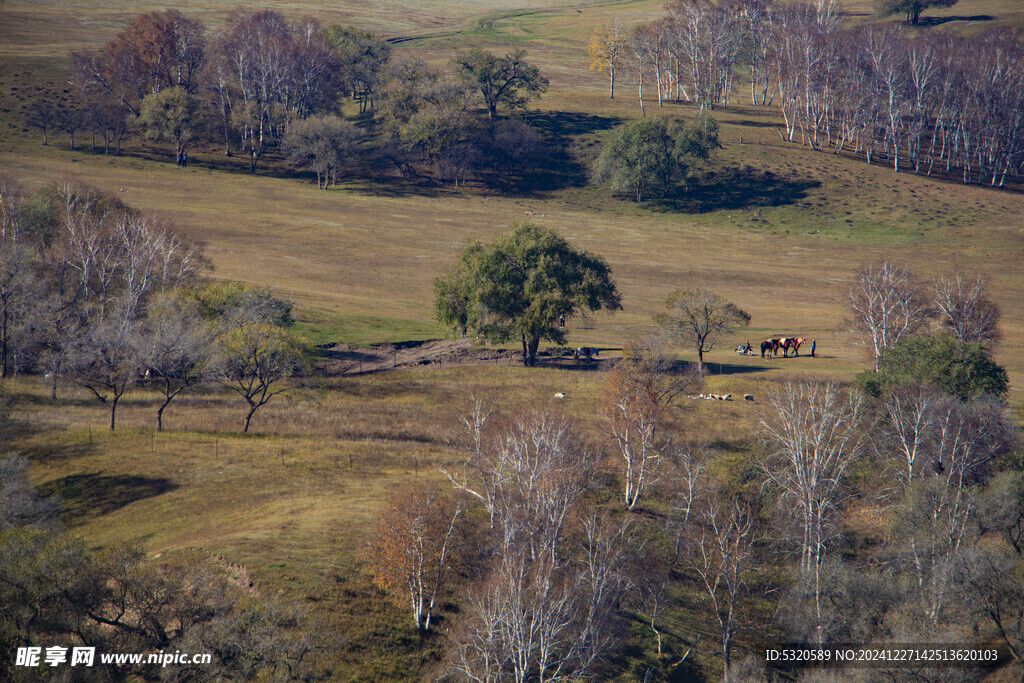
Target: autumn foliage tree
{"type": "Point", "coordinates": [416, 546]}
{"type": "Point", "coordinates": [158, 50]}
{"type": "Point", "coordinates": [607, 51]}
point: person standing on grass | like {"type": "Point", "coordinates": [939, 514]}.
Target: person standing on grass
{"type": "Point", "coordinates": [814, 343]}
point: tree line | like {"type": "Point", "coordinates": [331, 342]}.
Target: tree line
{"type": "Point", "coordinates": [98, 295]}
{"type": "Point", "coordinates": [922, 102]}
{"type": "Point", "coordinates": [265, 83]}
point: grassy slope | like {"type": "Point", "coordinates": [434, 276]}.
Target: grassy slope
{"type": "Point", "coordinates": [294, 502]}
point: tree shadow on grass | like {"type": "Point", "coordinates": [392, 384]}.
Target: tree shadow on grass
{"type": "Point", "coordinates": [680, 367]}
{"type": "Point", "coordinates": [938, 21]}
{"type": "Point", "coordinates": [86, 496]}
{"type": "Point", "coordinates": [736, 188]}
{"type": "Point", "coordinates": [715, 369]}
{"type": "Point", "coordinates": [558, 167]}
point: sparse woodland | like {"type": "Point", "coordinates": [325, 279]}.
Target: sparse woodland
{"type": "Point", "coordinates": [483, 530]}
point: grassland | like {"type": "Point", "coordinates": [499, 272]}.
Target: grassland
{"type": "Point", "coordinates": [775, 228]}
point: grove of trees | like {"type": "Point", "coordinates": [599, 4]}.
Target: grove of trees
{"type": "Point", "coordinates": [938, 101]}
{"type": "Point", "coordinates": [264, 84]}
{"type": "Point", "coordinates": [96, 294]}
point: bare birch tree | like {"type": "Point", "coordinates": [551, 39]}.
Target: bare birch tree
{"type": "Point", "coordinates": [721, 557]}
{"type": "Point", "coordinates": [887, 302]}
{"type": "Point", "coordinates": [529, 477]}
{"type": "Point", "coordinates": [943, 449]}
{"type": "Point", "coordinates": [965, 310]}
{"type": "Point", "coordinates": [814, 432]}
{"type": "Point", "coordinates": [638, 391]}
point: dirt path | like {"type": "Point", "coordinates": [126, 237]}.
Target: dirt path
{"type": "Point", "coordinates": [348, 359]}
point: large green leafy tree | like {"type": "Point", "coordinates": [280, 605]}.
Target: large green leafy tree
{"type": "Point", "coordinates": [963, 369]}
{"type": "Point", "coordinates": [521, 285]}
{"type": "Point", "coordinates": [648, 157]}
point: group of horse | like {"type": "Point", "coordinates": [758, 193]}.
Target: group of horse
{"type": "Point", "coordinates": [783, 344]}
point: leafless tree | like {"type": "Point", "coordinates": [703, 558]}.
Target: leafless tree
{"type": "Point", "coordinates": [699, 317]}
{"type": "Point", "coordinates": [106, 118]}
{"type": "Point", "coordinates": [814, 432]}
{"type": "Point", "coordinates": [20, 502]}
{"type": "Point", "coordinates": [887, 302]}
{"type": "Point", "coordinates": [107, 360]}
{"type": "Point", "coordinates": [722, 557]}
{"type": "Point", "coordinates": [638, 390]}
{"type": "Point", "coordinates": [991, 590]}
{"type": "Point", "coordinates": [943, 448]}
{"type": "Point", "coordinates": [17, 263]}
{"type": "Point", "coordinates": [965, 310]}
{"type": "Point", "coordinates": [637, 43]}
{"type": "Point", "coordinates": [547, 616]}
{"type": "Point", "coordinates": [687, 483]}
{"type": "Point", "coordinates": [709, 39]}
{"type": "Point", "coordinates": [177, 348]}
{"type": "Point", "coordinates": [529, 477]}
{"type": "Point", "coordinates": [756, 18]}
{"type": "Point", "coordinates": [70, 120]}
{"type": "Point", "coordinates": [42, 114]}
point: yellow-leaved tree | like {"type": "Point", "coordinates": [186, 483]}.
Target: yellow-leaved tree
{"type": "Point", "coordinates": [607, 50]}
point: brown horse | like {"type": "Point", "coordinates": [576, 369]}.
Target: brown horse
{"type": "Point", "coordinates": [769, 345]}
{"type": "Point", "coordinates": [787, 343]}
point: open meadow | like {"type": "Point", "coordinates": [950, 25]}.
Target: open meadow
{"type": "Point", "coordinates": [774, 227]}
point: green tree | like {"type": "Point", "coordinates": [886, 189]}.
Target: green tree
{"type": "Point", "coordinates": [507, 81]}
{"type": "Point", "coordinates": [911, 8]}
{"type": "Point", "coordinates": [648, 157]}
{"type": "Point", "coordinates": [171, 114]}
{"type": "Point", "coordinates": [255, 360]}
{"type": "Point", "coordinates": [521, 285]}
{"type": "Point", "coordinates": [362, 56]}
{"type": "Point", "coordinates": [700, 317]}
{"type": "Point", "coordinates": [234, 304]}
{"type": "Point", "coordinates": [963, 369]}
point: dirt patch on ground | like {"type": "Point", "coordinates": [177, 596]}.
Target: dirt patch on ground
{"type": "Point", "coordinates": [349, 359]}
